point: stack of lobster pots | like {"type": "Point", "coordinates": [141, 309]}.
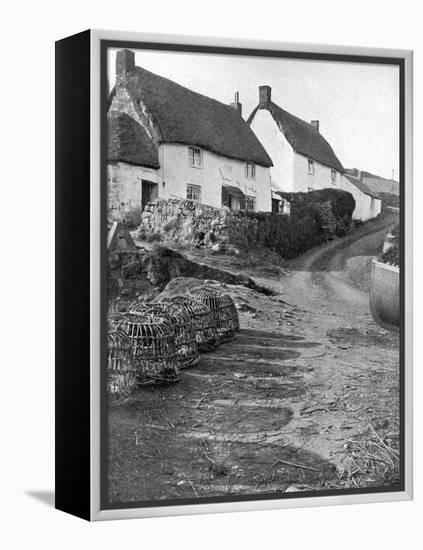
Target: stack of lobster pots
{"type": "Point", "coordinates": [152, 342]}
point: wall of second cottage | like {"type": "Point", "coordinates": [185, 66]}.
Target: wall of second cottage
{"type": "Point", "coordinates": [321, 179]}
{"type": "Point", "coordinates": [215, 171]}
{"type": "Point", "coordinates": [366, 207]}
{"type": "Point", "coordinates": [277, 147]}
{"type": "Point", "coordinates": [124, 191]}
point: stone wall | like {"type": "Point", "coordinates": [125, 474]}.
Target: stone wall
{"type": "Point", "coordinates": [187, 222]}
{"type": "Point", "coordinates": [224, 230]}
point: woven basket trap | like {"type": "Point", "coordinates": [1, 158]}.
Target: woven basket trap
{"type": "Point", "coordinates": [185, 339]}
{"type": "Point", "coordinates": [152, 348]}
{"type": "Point", "coordinates": [121, 376]}
{"type": "Point", "coordinates": [203, 320]}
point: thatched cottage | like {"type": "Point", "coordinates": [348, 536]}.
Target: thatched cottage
{"type": "Point", "coordinates": [303, 160]}
{"type": "Point", "coordinates": [167, 141]}
{"type": "Point", "coordinates": [368, 204]}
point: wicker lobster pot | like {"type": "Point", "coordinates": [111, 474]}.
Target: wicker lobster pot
{"type": "Point", "coordinates": [153, 350]}
{"type": "Point", "coordinates": [223, 310]}
{"type": "Point", "coordinates": [115, 320]}
{"type": "Point", "coordinates": [202, 319]}
{"type": "Point", "coordinates": [185, 340]}
{"type": "Point", "coordinates": [121, 376]}
{"type": "Point", "coordinates": [228, 316]}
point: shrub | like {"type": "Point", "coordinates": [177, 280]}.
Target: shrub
{"type": "Point", "coordinates": [289, 236]}
{"type": "Point", "coordinates": [392, 256]}
{"type": "Point", "coordinates": [342, 202]}
{"type": "Point", "coordinates": [334, 206]}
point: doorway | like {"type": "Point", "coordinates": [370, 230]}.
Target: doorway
{"type": "Point", "coordinates": [149, 192]}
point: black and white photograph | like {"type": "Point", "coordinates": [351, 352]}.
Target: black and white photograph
{"type": "Point", "coordinates": [210, 285]}
{"type": "Point", "coordinates": [254, 262]}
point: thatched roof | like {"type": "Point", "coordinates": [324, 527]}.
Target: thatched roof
{"type": "Point", "coordinates": [362, 187]}
{"type": "Point", "coordinates": [303, 137]}
{"type": "Point", "coordinates": [184, 116]}
{"type": "Point", "coordinates": [129, 142]}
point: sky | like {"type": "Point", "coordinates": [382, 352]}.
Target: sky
{"type": "Point", "coordinates": [357, 104]}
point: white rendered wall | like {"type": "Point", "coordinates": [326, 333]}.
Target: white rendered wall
{"type": "Point", "coordinates": [366, 207]}
{"type": "Point", "coordinates": [321, 179]}
{"type": "Point", "coordinates": [216, 170]}
{"type": "Point", "coordinates": [277, 147]}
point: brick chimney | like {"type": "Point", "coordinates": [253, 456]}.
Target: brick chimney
{"type": "Point", "coordinates": [125, 63]}
{"type": "Point", "coordinates": [316, 124]}
{"type": "Point", "coordinates": [265, 96]}
{"type": "Point", "coordinates": [236, 104]}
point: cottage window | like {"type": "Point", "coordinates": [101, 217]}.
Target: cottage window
{"type": "Point", "coordinates": [250, 203]}
{"type": "Point", "coordinates": [194, 192]}
{"type": "Point", "coordinates": [251, 171]}
{"type": "Point", "coordinates": [195, 157]}
{"type": "Point", "coordinates": [311, 167]}
{"type": "Point", "coordinates": [276, 206]}
{"type": "Point", "coordinates": [333, 176]}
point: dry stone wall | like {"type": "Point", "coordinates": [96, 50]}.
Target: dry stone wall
{"type": "Point", "coordinates": [187, 222]}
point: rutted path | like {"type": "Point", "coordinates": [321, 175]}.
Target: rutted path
{"type": "Point", "coordinates": [271, 409]}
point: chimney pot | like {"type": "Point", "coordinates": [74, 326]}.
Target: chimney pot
{"type": "Point", "coordinates": [125, 63]}
{"type": "Point", "coordinates": [265, 96]}
{"type": "Point", "coordinates": [316, 124]}
{"type": "Point", "coordinates": [236, 104]}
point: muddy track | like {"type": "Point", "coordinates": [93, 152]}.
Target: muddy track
{"type": "Point", "coordinates": [222, 430]}
{"type": "Point", "coordinates": [272, 409]}
{"type": "Point", "coordinates": [319, 276]}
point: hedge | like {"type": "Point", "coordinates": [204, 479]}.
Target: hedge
{"type": "Point", "coordinates": [289, 236]}
{"type": "Point", "coordinates": [342, 202]}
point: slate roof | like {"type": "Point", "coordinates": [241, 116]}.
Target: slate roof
{"type": "Point", "coordinates": [362, 186]}
{"type": "Point", "coordinates": [303, 137]}
{"type": "Point", "coordinates": [129, 142]}
{"type": "Point", "coordinates": [187, 117]}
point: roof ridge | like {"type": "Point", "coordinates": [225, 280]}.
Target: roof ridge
{"type": "Point", "coordinates": [303, 136]}
{"type": "Point", "coordinates": [361, 186]}
{"type": "Point", "coordinates": [311, 126]}
{"type": "Point", "coordinates": [185, 88]}
{"type": "Point", "coordinates": [188, 117]}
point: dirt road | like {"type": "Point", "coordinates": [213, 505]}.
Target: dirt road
{"type": "Point", "coordinates": [287, 405]}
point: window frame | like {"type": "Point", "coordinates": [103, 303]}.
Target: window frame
{"type": "Point", "coordinates": [254, 202]}
{"type": "Point", "coordinates": [192, 151]}
{"type": "Point", "coordinates": [253, 170]}
{"type": "Point", "coordinates": [333, 176]}
{"type": "Point", "coordinates": [310, 163]}
{"type": "Point", "coordinates": [192, 187]}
